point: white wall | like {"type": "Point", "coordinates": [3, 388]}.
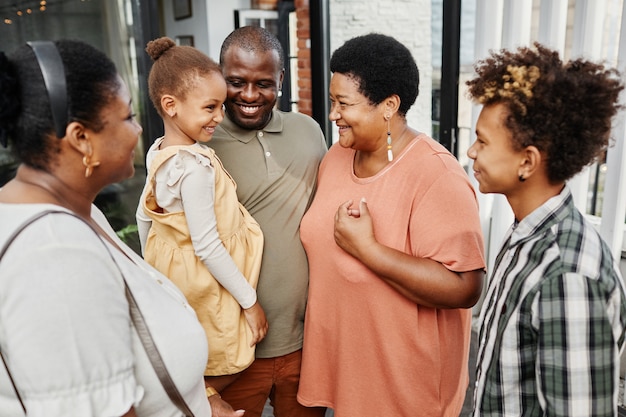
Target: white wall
{"type": "Point", "coordinates": [407, 21]}
{"type": "Point", "coordinates": [221, 21]}
{"type": "Point", "coordinates": [210, 23]}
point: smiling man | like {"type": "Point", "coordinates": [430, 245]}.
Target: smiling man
{"type": "Point", "coordinates": [273, 157]}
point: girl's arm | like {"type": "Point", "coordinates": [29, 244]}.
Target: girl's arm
{"type": "Point", "coordinates": [197, 190]}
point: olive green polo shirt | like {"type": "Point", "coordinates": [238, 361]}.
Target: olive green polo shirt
{"type": "Point", "coordinates": [275, 169]}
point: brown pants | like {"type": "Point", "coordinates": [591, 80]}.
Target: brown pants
{"type": "Point", "coordinates": [274, 378]}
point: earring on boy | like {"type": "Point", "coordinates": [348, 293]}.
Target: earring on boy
{"type": "Point", "coordinates": [389, 152]}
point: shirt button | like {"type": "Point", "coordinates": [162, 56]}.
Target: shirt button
{"type": "Point", "coordinates": [268, 154]}
{"type": "Point", "coordinates": [159, 281]}
{"type": "Point", "coordinates": [260, 134]}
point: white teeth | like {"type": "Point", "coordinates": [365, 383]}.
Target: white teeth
{"type": "Point", "coordinates": [249, 109]}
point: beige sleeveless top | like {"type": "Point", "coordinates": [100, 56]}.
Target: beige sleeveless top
{"type": "Point", "coordinates": [170, 250]}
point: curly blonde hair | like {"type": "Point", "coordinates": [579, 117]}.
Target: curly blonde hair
{"type": "Point", "coordinates": [517, 86]}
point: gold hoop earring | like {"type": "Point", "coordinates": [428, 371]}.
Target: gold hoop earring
{"type": "Point", "coordinates": [89, 165]}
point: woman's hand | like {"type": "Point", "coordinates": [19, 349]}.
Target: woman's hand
{"type": "Point", "coordinates": [220, 408]}
{"type": "Point", "coordinates": [354, 230]}
{"type": "Point", "coordinates": [255, 316]}
{"type": "Point", "coordinates": [421, 280]}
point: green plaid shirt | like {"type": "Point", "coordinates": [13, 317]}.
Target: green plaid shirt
{"type": "Point", "coordinates": [552, 324]}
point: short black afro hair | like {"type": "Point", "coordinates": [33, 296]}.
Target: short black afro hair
{"type": "Point", "coordinates": [381, 66]}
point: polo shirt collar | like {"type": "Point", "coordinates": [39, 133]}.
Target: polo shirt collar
{"type": "Point", "coordinates": [275, 125]}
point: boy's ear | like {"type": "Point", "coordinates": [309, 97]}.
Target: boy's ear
{"type": "Point", "coordinates": [531, 162]}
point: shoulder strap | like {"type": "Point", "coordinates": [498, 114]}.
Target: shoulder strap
{"type": "Point", "coordinates": [23, 226]}
{"type": "Point", "coordinates": [17, 393]}
{"type": "Point", "coordinates": [8, 243]}
{"type": "Point", "coordinates": [138, 321]}
{"type": "Point", "coordinates": [159, 158]}
{"type": "Point", "coordinates": [171, 151]}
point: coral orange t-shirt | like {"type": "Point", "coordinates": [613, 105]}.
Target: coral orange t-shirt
{"type": "Point", "coordinates": [368, 350]}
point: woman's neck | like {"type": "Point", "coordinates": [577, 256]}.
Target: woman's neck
{"type": "Point", "coordinates": [31, 185]}
{"type": "Point", "coordinates": [367, 164]}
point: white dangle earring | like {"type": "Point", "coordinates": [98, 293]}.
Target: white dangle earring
{"type": "Point", "coordinates": [389, 152]}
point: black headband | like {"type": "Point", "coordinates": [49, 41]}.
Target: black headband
{"type": "Point", "coordinates": [53, 73]}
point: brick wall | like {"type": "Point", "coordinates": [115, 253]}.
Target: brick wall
{"type": "Point", "coordinates": [304, 57]}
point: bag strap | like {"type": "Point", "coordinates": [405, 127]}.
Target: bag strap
{"type": "Point", "coordinates": [136, 316]}
{"type": "Point", "coordinates": [17, 393]}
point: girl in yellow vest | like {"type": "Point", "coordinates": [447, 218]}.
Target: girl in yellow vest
{"type": "Point", "coordinates": [191, 225]}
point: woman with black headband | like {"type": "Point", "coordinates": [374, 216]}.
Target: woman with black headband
{"type": "Point", "coordinates": [86, 327]}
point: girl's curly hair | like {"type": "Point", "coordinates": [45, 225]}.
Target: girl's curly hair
{"type": "Point", "coordinates": [563, 109]}
{"type": "Point", "coordinates": [175, 70]}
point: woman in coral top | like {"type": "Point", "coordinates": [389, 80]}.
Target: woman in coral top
{"type": "Point", "coordinates": [395, 251]}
